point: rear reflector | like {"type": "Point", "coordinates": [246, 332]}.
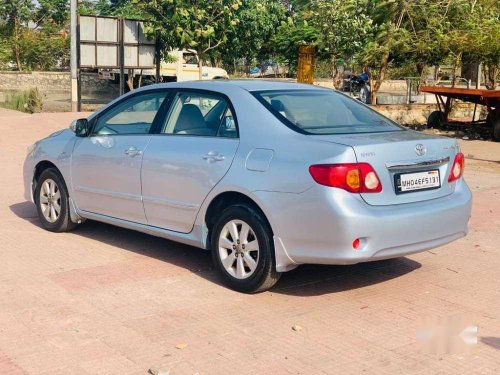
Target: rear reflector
{"type": "Point", "coordinates": [355, 244]}
{"type": "Point", "coordinates": [353, 177]}
{"type": "Point", "coordinates": [457, 170]}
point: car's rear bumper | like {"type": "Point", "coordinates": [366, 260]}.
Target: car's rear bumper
{"type": "Point", "coordinates": [320, 225]}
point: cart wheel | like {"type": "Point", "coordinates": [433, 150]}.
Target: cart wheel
{"type": "Point", "coordinates": [435, 120]}
{"type": "Point", "coordinates": [495, 130]}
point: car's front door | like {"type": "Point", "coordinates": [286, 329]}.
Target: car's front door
{"type": "Point", "coordinates": [192, 151]}
{"type": "Point", "coordinates": [106, 165]}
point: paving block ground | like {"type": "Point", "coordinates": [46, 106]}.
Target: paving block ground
{"type": "Point", "coordinates": [105, 300]}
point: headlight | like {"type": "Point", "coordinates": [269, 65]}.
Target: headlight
{"type": "Point", "coordinates": [30, 149]}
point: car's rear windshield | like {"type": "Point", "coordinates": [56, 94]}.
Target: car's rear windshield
{"type": "Point", "coordinates": [323, 112]}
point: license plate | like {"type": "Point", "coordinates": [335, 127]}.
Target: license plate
{"type": "Point", "coordinates": [418, 181]}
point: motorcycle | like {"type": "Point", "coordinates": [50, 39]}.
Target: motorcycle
{"type": "Point", "coordinates": [358, 86]}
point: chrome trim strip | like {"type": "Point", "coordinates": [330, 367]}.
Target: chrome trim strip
{"type": "Point", "coordinates": [415, 165]}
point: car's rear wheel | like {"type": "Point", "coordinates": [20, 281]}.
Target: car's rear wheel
{"type": "Point", "coordinates": [52, 203]}
{"type": "Point", "coordinates": [243, 251]}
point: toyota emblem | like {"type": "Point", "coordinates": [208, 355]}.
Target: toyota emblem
{"type": "Point", "coordinates": [420, 149]}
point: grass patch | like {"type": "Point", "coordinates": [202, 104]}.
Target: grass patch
{"type": "Point", "coordinates": [29, 101]}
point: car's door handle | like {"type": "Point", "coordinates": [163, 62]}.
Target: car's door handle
{"type": "Point", "coordinates": [213, 156]}
{"type": "Point", "coordinates": [133, 151]}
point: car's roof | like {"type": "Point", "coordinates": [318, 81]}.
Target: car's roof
{"type": "Point", "coordinates": [260, 85]}
{"type": "Point", "coordinates": [245, 84]}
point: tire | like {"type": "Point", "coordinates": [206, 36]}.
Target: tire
{"type": "Point", "coordinates": [237, 270]}
{"type": "Point", "coordinates": [50, 193]}
{"type": "Point", "coordinates": [495, 130]}
{"type": "Point", "coordinates": [435, 120]}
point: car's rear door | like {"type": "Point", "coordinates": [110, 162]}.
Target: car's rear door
{"type": "Point", "coordinates": [191, 152]}
{"type": "Point", "coordinates": [106, 165]}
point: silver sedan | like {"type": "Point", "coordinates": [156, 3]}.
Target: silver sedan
{"type": "Point", "coordinates": [266, 175]}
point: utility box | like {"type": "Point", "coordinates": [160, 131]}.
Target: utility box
{"type": "Point", "coordinates": [305, 71]}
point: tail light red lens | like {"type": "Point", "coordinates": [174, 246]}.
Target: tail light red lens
{"type": "Point", "coordinates": [457, 170]}
{"type": "Point", "coordinates": [353, 177]}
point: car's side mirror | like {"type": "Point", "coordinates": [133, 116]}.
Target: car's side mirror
{"type": "Point", "coordinates": [80, 127]}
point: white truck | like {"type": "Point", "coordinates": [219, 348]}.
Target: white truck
{"type": "Point", "coordinates": [183, 68]}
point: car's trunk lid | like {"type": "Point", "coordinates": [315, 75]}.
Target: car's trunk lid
{"type": "Point", "coordinates": [396, 154]}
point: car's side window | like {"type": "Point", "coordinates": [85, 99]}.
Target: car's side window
{"type": "Point", "coordinates": [134, 115]}
{"type": "Point", "coordinates": [200, 114]}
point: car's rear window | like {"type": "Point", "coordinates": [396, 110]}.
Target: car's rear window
{"type": "Point", "coordinates": [323, 112]}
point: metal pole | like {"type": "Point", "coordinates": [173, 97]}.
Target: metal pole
{"type": "Point", "coordinates": [74, 57]}
{"type": "Point", "coordinates": [122, 57]}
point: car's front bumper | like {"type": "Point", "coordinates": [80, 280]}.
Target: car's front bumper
{"type": "Point", "coordinates": [320, 225]}
{"type": "Point", "coordinates": [28, 170]}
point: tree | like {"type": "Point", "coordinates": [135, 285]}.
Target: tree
{"type": "Point", "coordinates": [482, 28]}
{"type": "Point", "coordinates": [344, 28]}
{"type": "Point", "coordinates": [290, 35]}
{"type": "Point", "coordinates": [389, 37]}
{"type": "Point", "coordinates": [258, 20]}
{"type": "Point", "coordinates": [16, 15]}
{"type": "Point", "coordinates": [190, 24]}
{"type": "Point", "coordinates": [427, 27]}
{"type": "Point", "coordinates": [32, 35]}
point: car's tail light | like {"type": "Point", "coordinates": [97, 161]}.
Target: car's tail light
{"type": "Point", "coordinates": [353, 177]}
{"type": "Point", "coordinates": [457, 170]}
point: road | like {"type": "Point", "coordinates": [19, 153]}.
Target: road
{"type": "Point", "coordinates": [104, 300]}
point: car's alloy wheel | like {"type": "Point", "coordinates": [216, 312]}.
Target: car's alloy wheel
{"type": "Point", "coordinates": [243, 249]}
{"type": "Point", "coordinates": [238, 249]}
{"type": "Point", "coordinates": [52, 201]}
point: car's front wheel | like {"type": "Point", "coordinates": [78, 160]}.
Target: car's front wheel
{"type": "Point", "coordinates": [243, 251]}
{"type": "Point", "coordinates": [52, 203]}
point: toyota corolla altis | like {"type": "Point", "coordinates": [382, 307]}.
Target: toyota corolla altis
{"type": "Point", "coordinates": [266, 175]}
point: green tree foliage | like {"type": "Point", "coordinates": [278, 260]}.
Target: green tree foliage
{"type": "Point", "coordinates": [191, 24]}
{"type": "Point", "coordinates": [474, 31]}
{"type": "Point", "coordinates": [390, 38]}
{"type": "Point", "coordinates": [251, 39]}
{"type": "Point", "coordinates": [15, 15]}
{"type": "Point", "coordinates": [33, 35]}
{"type": "Point", "coordinates": [404, 35]}
{"type": "Point", "coordinates": [348, 37]}
{"type": "Point", "coordinates": [289, 36]}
